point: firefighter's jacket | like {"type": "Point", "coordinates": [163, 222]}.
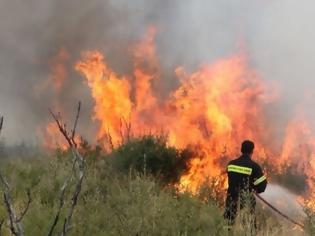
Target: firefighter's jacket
{"type": "Point", "coordinates": [245, 175]}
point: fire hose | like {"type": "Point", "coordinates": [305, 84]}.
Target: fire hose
{"type": "Point", "coordinates": [279, 212]}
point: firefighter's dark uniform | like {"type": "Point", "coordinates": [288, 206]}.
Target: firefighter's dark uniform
{"type": "Point", "coordinates": [245, 176]}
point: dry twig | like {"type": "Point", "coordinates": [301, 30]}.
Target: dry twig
{"type": "Point", "coordinates": [1, 224]}
{"type": "Point", "coordinates": [1, 123]}
{"type": "Point", "coordinates": [61, 203]}
{"type": "Point", "coordinates": [77, 166]}
{"type": "Point", "coordinates": [29, 201]}
{"type": "Point", "coordinates": [15, 222]}
{"type": "Point", "coordinates": [76, 193]}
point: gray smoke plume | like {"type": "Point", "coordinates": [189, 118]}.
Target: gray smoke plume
{"type": "Point", "coordinates": [277, 35]}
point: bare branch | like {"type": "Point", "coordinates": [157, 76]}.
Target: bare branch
{"type": "Point", "coordinates": [15, 225]}
{"type": "Point", "coordinates": [62, 127]}
{"type": "Point", "coordinates": [7, 201]}
{"type": "Point", "coordinates": [61, 203]}
{"type": "Point", "coordinates": [64, 231]}
{"type": "Point", "coordinates": [62, 199]}
{"type": "Point", "coordinates": [4, 182]}
{"type": "Point", "coordinates": [74, 199]}
{"type": "Point", "coordinates": [29, 201]}
{"type": "Point", "coordinates": [76, 123]}
{"type": "Point", "coordinates": [1, 224]}
{"type": "Point", "coordinates": [78, 165]}
{"type": "Point", "coordinates": [1, 123]}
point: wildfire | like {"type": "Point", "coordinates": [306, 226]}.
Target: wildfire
{"type": "Point", "coordinates": [49, 133]}
{"type": "Point", "coordinates": [212, 110]}
{"type": "Point", "coordinates": [52, 138]}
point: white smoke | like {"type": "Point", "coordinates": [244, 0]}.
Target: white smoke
{"type": "Point", "coordinates": [278, 36]}
{"type": "Point", "coordinates": [285, 201]}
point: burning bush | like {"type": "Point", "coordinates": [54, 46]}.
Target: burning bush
{"type": "Point", "coordinates": [212, 107]}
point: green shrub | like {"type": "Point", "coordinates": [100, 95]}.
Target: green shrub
{"type": "Point", "coordinates": [151, 155]}
{"type": "Point", "coordinates": [109, 204]}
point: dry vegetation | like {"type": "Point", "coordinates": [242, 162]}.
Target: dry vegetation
{"type": "Point", "coordinates": [115, 201]}
{"type": "Point", "coordinates": [117, 193]}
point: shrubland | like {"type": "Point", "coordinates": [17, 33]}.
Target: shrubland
{"type": "Point", "coordinates": [128, 191]}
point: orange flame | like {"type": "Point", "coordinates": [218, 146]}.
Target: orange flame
{"type": "Point", "coordinates": [212, 110]}
{"type": "Point", "coordinates": [50, 134]}
{"type": "Point", "coordinates": [52, 137]}
{"type": "Point", "coordinates": [110, 92]}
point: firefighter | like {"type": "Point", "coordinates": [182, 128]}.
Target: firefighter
{"type": "Point", "coordinates": [245, 177]}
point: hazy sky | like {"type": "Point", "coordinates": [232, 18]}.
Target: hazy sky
{"type": "Point", "coordinates": [278, 35]}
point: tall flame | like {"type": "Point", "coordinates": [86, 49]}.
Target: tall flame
{"type": "Point", "coordinates": [50, 134]}
{"type": "Point", "coordinates": [212, 110]}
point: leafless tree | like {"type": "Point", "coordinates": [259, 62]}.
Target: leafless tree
{"type": "Point", "coordinates": [1, 123]}
{"type": "Point", "coordinates": [77, 173]}
{"type": "Point", "coordinates": [15, 224]}
{"type": "Point", "coordinates": [1, 224]}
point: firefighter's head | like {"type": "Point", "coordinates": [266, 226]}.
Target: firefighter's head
{"type": "Point", "coordinates": [248, 147]}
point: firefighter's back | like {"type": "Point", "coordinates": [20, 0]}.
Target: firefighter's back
{"type": "Point", "coordinates": [239, 175]}
{"type": "Point", "coordinates": [244, 175]}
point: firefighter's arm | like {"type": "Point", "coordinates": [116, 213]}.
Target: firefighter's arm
{"type": "Point", "coordinates": [259, 180]}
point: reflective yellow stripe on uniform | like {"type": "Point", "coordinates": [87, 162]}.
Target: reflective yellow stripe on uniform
{"type": "Point", "coordinates": [260, 180]}
{"type": "Point", "coordinates": [240, 169]}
